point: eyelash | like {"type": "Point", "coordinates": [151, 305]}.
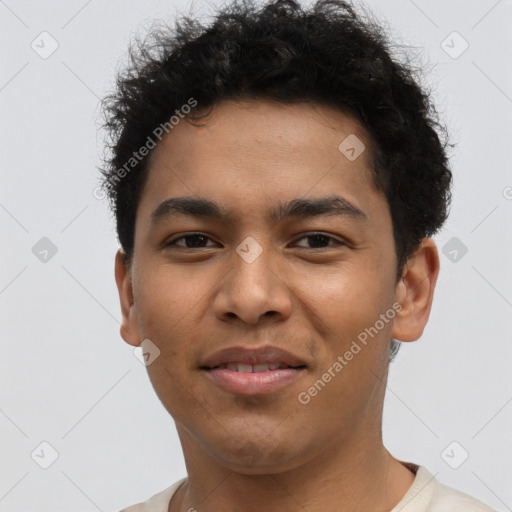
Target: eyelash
{"type": "Point", "coordinates": [308, 235]}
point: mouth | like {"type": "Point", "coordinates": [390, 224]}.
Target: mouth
{"type": "Point", "coordinates": [252, 371]}
{"type": "Point", "coordinates": [253, 368]}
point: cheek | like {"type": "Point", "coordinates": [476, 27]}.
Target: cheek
{"type": "Point", "coordinates": [343, 301]}
{"type": "Point", "coordinates": [166, 298]}
{"type": "Point", "coordinates": [344, 311]}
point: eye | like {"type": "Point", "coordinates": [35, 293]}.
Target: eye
{"type": "Point", "coordinates": [198, 241]}
{"type": "Point", "coordinates": [195, 240]}
{"type": "Point", "coordinates": [321, 240]}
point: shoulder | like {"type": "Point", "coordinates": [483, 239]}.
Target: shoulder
{"type": "Point", "coordinates": [157, 503]}
{"type": "Point", "coordinates": [446, 499]}
{"type": "Point", "coordinates": [428, 495]}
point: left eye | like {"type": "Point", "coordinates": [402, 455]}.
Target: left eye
{"type": "Point", "coordinates": [321, 239]}
{"type": "Point", "coordinates": [318, 240]}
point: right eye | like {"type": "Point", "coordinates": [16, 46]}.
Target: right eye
{"type": "Point", "coordinates": [192, 241]}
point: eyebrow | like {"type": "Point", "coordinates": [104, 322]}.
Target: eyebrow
{"type": "Point", "coordinates": [297, 208]}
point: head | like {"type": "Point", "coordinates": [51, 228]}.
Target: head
{"type": "Point", "coordinates": [276, 178]}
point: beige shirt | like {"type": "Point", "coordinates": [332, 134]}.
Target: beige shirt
{"type": "Point", "coordinates": [425, 495]}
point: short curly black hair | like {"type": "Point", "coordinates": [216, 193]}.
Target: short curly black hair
{"type": "Point", "coordinates": [326, 55]}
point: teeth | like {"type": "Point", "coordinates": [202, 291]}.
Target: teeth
{"type": "Point", "coordinates": [260, 368]}
{"type": "Point", "coordinates": [251, 368]}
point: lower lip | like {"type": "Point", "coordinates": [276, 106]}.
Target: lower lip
{"type": "Point", "coordinates": [255, 383]}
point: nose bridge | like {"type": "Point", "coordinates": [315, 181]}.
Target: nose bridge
{"type": "Point", "coordinates": [251, 265]}
{"type": "Point", "coordinates": [252, 288]}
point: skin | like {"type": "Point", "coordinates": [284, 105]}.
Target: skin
{"type": "Point", "coordinates": [270, 452]}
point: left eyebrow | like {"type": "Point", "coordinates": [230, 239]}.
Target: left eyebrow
{"type": "Point", "coordinates": [298, 208]}
{"type": "Point", "coordinates": [301, 208]}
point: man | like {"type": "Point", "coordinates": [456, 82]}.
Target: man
{"type": "Point", "coordinates": [276, 178]}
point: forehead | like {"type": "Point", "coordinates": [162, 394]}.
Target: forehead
{"type": "Point", "coordinates": [236, 130]}
{"type": "Point", "coordinates": [252, 152]}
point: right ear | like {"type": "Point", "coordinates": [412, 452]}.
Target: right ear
{"type": "Point", "coordinates": [129, 325]}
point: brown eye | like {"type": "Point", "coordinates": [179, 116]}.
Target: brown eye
{"type": "Point", "coordinates": [193, 241]}
{"type": "Point", "coordinates": [320, 240]}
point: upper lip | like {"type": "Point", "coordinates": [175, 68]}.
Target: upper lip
{"type": "Point", "coordinates": [267, 354]}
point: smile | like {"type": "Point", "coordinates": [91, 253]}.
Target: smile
{"type": "Point", "coordinates": [253, 368]}
{"type": "Point", "coordinates": [246, 370]}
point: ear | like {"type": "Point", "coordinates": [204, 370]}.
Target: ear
{"type": "Point", "coordinates": [129, 325]}
{"type": "Point", "coordinates": [415, 292]}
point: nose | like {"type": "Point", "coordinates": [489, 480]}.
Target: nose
{"type": "Point", "coordinates": [254, 290]}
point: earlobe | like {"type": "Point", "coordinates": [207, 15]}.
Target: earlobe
{"type": "Point", "coordinates": [415, 292]}
{"type": "Point", "coordinates": [129, 326]}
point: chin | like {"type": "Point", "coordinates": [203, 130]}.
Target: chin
{"type": "Point", "coordinates": [258, 456]}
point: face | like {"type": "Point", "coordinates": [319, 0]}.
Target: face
{"type": "Point", "coordinates": [297, 253]}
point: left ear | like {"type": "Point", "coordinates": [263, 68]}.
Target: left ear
{"type": "Point", "coordinates": [415, 292]}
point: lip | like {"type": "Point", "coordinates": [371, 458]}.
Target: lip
{"type": "Point", "coordinates": [257, 383]}
{"type": "Point", "coordinates": [260, 383]}
{"type": "Point", "coordinates": [267, 354]}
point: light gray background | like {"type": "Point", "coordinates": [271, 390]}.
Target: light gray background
{"type": "Point", "coordinates": [67, 377]}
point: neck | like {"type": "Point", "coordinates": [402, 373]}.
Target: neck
{"type": "Point", "coordinates": [359, 475]}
